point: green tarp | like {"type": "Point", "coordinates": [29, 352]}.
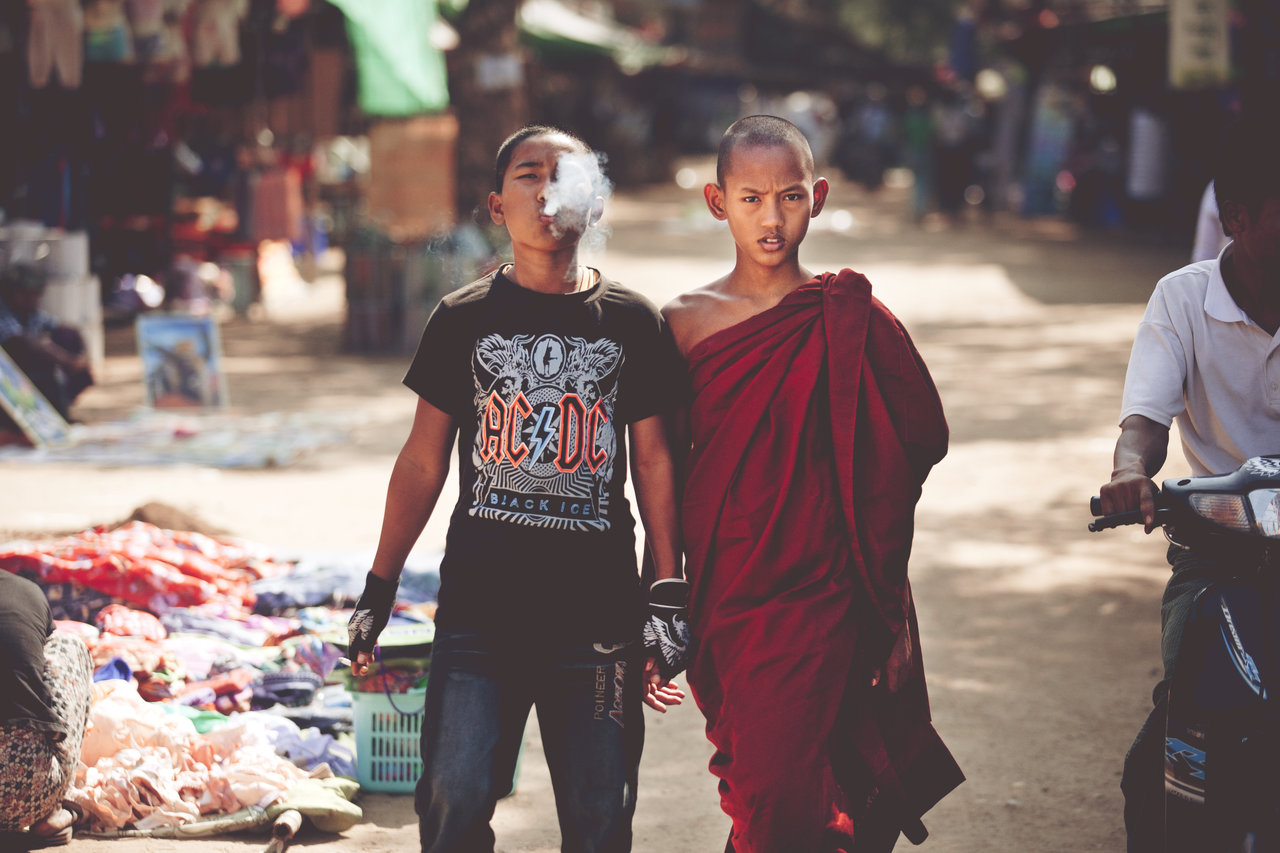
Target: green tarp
{"type": "Point", "coordinates": [400, 73]}
{"type": "Point", "coordinates": [550, 27]}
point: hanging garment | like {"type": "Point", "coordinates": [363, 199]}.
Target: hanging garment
{"type": "Point", "coordinates": [216, 32]}
{"type": "Point", "coordinates": [56, 43]}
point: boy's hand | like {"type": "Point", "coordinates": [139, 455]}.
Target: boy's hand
{"type": "Point", "coordinates": [371, 615]}
{"type": "Point", "coordinates": [666, 632]}
{"type": "Point", "coordinates": [658, 692]}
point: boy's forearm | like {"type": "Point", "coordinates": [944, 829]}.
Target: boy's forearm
{"type": "Point", "coordinates": [411, 498]}
{"type": "Point", "coordinates": [654, 474]}
{"type": "Point", "coordinates": [417, 479]}
{"type": "Point", "coordinates": [655, 495]}
{"type": "Point", "coordinates": [663, 542]}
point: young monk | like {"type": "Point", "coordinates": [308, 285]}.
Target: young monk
{"type": "Point", "coordinates": [814, 422]}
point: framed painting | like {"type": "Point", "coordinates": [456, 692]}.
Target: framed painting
{"type": "Point", "coordinates": [28, 408]}
{"type": "Point", "coordinates": [181, 361]}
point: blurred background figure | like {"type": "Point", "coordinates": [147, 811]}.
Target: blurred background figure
{"type": "Point", "coordinates": [1210, 237]}
{"type": "Point", "coordinates": [866, 146]}
{"type": "Point", "coordinates": [51, 354]}
{"type": "Point", "coordinates": [1052, 129]}
{"type": "Point", "coordinates": [1094, 171]}
{"type": "Point", "coordinates": [1147, 178]}
{"type": "Point", "coordinates": [953, 152]}
{"type": "Point", "coordinates": [917, 133]}
{"type": "Point", "coordinates": [44, 709]}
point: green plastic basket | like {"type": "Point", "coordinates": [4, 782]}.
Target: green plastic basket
{"type": "Point", "coordinates": [388, 742]}
{"type": "Point", "coordinates": [388, 756]}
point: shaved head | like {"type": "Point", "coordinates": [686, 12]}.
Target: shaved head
{"type": "Point", "coordinates": [761, 131]}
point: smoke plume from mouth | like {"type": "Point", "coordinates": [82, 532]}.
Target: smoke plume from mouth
{"type": "Point", "coordinates": [575, 196]}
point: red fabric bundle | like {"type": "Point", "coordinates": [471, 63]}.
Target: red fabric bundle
{"type": "Point", "coordinates": [127, 622]}
{"type": "Point", "coordinates": [146, 566]}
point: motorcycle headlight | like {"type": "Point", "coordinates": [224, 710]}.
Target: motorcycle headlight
{"type": "Point", "coordinates": [1224, 510]}
{"type": "Point", "coordinates": [1266, 511]}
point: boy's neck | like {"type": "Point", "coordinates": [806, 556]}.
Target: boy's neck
{"type": "Point", "coordinates": [546, 273]}
{"type": "Point", "coordinates": [750, 279]}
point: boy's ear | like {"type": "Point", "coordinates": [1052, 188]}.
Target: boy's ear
{"type": "Point", "coordinates": [596, 212]}
{"type": "Point", "coordinates": [715, 201]}
{"type": "Point", "coordinates": [495, 209]}
{"type": "Point", "coordinates": [820, 190]}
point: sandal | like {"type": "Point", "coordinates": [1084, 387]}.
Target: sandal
{"type": "Point", "coordinates": [53, 831]}
{"type": "Point", "coordinates": [33, 841]}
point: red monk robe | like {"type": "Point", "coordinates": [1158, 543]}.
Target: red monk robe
{"type": "Point", "coordinates": [814, 425]}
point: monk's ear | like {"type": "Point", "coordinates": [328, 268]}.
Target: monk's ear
{"type": "Point", "coordinates": [495, 209]}
{"type": "Point", "coordinates": [820, 190]}
{"type": "Point", "coordinates": [715, 201]}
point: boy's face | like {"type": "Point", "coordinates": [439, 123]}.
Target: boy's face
{"type": "Point", "coordinates": [768, 198]}
{"type": "Point", "coordinates": [547, 198]}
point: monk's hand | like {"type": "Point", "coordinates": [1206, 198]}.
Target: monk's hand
{"type": "Point", "coordinates": [666, 631]}
{"type": "Point", "coordinates": [371, 615]}
{"type": "Point", "coordinates": [897, 669]}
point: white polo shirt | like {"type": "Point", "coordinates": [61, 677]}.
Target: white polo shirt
{"type": "Point", "coordinates": [1199, 359]}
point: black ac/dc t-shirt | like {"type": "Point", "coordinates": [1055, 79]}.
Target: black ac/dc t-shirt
{"type": "Point", "coordinates": [541, 544]}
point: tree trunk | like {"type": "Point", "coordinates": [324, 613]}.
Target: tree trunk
{"type": "Point", "coordinates": [489, 94]}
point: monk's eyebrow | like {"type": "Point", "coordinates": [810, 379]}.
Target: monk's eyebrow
{"type": "Point", "coordinates": [527, 164]}
{"type": "Point", "coordinates": [754, 191]}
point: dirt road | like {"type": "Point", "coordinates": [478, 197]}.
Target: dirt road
{"type": "Point", "coordinates": [1040, 640]}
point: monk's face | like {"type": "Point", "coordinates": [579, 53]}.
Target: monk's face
{"type": "Point", "coordinates": [768, 197]}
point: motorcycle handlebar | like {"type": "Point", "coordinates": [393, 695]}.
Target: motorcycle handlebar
{"type": "Point", "coordinates": [1119, 519]}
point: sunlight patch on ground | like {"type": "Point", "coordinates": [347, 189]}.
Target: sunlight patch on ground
{"type": "Point", "coordinates": [1010, 567]}
{"type": "Point", "coordinates": [1027, 480]}
{"type": "Point", "coordinates": [928, 293]}
{"type": "Point", "coordinates": [966, 685]}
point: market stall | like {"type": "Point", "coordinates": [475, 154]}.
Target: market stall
{"type": "Point", "coordinates": [221, 700]}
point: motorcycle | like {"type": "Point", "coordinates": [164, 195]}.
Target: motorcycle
{"type": "Point", "coordinates": [1222, 736]}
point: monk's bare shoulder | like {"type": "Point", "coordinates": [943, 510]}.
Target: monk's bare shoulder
{"type": "Point", "coordinates": [695, 314]}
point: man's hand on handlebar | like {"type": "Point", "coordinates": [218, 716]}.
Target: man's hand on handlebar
{"type": "Point", "coordinates": [1130, 490]}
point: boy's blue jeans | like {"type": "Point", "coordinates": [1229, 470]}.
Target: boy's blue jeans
{"type": "Point", "coordinates": [589, 705]}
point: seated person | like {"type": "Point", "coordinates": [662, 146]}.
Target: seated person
{"type": "Point", "coordinates": [45, 693]}
{"type": "Point", "coordinates": [51, 354]}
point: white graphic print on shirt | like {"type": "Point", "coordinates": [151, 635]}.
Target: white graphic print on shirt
{"type": "Point", "coordinates": [545, 443]}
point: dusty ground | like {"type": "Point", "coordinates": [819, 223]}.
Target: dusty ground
{"type": "Point", "coordinates": [1040, 639]}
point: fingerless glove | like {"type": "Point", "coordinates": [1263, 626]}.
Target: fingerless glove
{"type": "Point", "coordinates": [666, 631]}
{"type": "Point", "coordinates": [372, 613]}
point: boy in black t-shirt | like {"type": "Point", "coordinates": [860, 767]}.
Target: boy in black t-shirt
{"type": "Point", "coordinates": [542, 369]}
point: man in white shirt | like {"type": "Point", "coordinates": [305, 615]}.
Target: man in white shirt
{"type": "Point", "coordinates": [1207, 355]}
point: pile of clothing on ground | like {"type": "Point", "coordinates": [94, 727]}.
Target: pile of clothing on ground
{"type": "Point", "coordinates": [220, 691]}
